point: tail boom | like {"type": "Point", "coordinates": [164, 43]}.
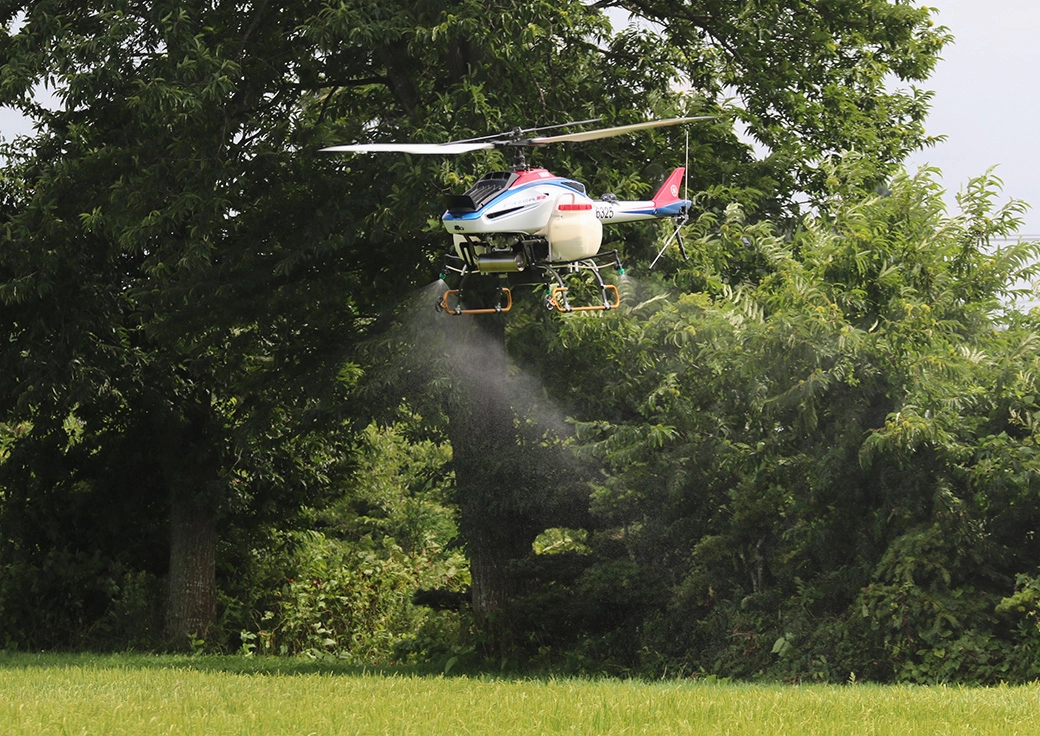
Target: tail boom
{"type": "Point", "coordinates": [666, 203]}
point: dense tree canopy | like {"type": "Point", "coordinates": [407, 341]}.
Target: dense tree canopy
{"type": "Point", "coordinates": [811, 79]}
{"type": "Point", "coordinates": [159, 301]}
{"type": "Point", "coordinates": [807, 450]}
{"type": "Point", "coordinates": [802, 472]}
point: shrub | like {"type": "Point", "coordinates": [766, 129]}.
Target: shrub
{"type": "Point", "coordinates": [349, 600]}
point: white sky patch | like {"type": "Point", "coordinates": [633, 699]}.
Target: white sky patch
{"type": "Point", "coordinates": [985, 101]}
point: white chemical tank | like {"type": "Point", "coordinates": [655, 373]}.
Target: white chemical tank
{"type": "Point", "coordinates": [574, 230]}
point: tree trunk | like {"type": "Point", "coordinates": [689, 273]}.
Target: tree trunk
{"type": "Point", "coordinates": [191, 603]}
{"type": "Point", "coordinates": [488, 476]}
{"type": "Point", "coordinates": [491, 555]}
{"type": "Point", "coordinates": [190, 465]}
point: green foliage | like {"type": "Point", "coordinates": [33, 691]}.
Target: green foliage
{"type": "Point", "coordinates": [811, 82]}
{"type": "Point", "coordinates": [63, 600]}
{"type": "Point", "coordinates": [822, 465]}
{"type": "Point", "coordinates": [348, 601]}
{"type": "Point", "coordinates": [191, 294]}
{"type": "Point", "coordinates": [347, 591]}
{"type": "Point", "coordinates": [401, 488]}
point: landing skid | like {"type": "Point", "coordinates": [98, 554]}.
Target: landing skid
{"type": "Point", "coordinates": [558, 277]}
{"type": "Point", "coordinates": [557, 296]}
{"type": "Point", "coordinates": [451, 303]}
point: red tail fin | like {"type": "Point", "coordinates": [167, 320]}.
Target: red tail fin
{"type": "Point", "coordinates": [669, 191]}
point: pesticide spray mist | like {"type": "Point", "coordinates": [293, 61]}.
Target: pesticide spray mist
{"type": "Point", "coordinates": [512, 481]}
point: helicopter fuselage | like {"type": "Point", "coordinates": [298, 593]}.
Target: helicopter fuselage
{"type": "Point", "coordinates": [536, 204]}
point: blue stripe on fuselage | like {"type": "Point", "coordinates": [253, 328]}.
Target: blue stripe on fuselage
{"type": "Point", "coordinates": [477, 214]}
{"type": "Point", "coordinates": [672, 209]}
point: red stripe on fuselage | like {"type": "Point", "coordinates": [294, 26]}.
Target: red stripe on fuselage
{"type": "Point", "coordinates": [529, 176]}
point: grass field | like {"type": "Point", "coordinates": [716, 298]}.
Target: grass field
{"type": "Point", "coordinates": [130, 694]}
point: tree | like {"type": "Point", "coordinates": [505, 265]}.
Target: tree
{"type": "Point", "coordinates": [633, 69]}
{"type": "Point", "coordinates": [823, 470]}
{"type": "Point", "coordinates": [182, 280]}
{"type": "Point", "coordinates": [178, 265]}
{"type": "Point", "coordinates": [471, 70]}
{"type": "Point", "coordinates": [812, 79]}
{"type": "Point", "coordinates": [168, 289]}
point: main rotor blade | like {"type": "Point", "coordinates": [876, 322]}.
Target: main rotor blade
{"type": "Point", "coordinates": [416, 148]}
{"type": "Point", "coordinates": [591, 135]}
{"type": "Point", "coordinates": [507, 137]}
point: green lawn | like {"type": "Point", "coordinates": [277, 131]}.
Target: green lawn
{"type": "Point", "coordinates": [211, 695]}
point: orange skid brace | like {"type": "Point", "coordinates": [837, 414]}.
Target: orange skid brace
{"type": "Point", "coordinates": [507, 295]}
{"type": "Point", "coordinates": [562, 306]}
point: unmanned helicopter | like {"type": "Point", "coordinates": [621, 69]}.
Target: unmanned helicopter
{"type": "Point", "coordinates": [531, 226]}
